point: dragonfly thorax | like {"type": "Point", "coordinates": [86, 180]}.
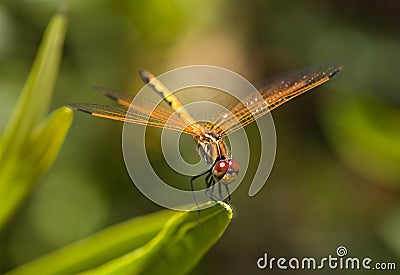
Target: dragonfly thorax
{"type": "Point", "coordinates": [211, 147]}
{"type": "Point", "coordinates": [214, 151]}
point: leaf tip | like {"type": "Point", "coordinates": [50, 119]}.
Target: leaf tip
{"type": "Point", "coordinates": [227, 207]}
{"type": "Point", "coordinates": [66, 113]}
{"type": "Point", "coordinates": [62, 10]}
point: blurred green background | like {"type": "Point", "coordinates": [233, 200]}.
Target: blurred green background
{"type": "Point", "coordinates": [336, 178]}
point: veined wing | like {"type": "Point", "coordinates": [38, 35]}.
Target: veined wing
{"type": "Point", "coordinates": [122, 98]}
{"type": "Point", "coordinates": [141, 112]}
{"type": "Point", "coordinates": [269, 98]}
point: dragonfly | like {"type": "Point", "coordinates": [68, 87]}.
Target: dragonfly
{"type": "Point", "coordinates": [208, 136]}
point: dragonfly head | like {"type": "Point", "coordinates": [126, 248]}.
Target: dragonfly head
{"type": "Point", "coordinates": [226, 170]}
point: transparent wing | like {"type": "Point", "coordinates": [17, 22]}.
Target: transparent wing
{"type": "Point", "coordinates": [141, 112]}
{"type": "Point", "coordinates": [121, 98]}
{"type": "Point", "coordinates": [268, 98]}
{"type": "Point", "coordinates": [241, 113]}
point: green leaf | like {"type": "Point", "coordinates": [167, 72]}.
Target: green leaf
{"type": "Point", "coordinates": [21, 172]}
{"type": "Point", "coordinates": [33, 103]}
{"type": "Point", "coordinates": [47, 138]}
{"type": "Point", "coordinates": [98, 248]}
{"type": "Point", "coordinates": [175, 239]}
{"type": "Point", "coordinates": [30, 143]}
{"type": "Point", "coordinates": [177, 248]}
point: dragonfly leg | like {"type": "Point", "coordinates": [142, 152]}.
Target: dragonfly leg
{"type": "Point", "coordinates": [201, 174]}
{"type": "Point", "coordinates": [208, 184]}
{"type": "Point", "coordinates": [208, 180]}
{"type": "Point", "coordinates": [229, 194]}
{"type": "Point", "coordinates": [221, 198]}
{"type": "Point", "coordinates": [210, 190]}
{"type": "Point", "coordinates": [194, 194]}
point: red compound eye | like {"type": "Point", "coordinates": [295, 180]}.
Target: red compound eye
{"type": "Point", "coordinates": [234, 165]}
{"type": "Point", "coordinates": [220, 168]}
